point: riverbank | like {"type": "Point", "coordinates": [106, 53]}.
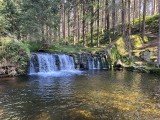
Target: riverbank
{"type": "Point", "coordinates": [144, 69]}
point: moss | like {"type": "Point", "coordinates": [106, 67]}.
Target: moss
{"type": "Point", "coordinates": [136, 43]}
{"type": "Point", "coordinates": [61, 48]}
{"type": "Point", "coordinates": [121, 47]}
{"type": "Point", "coordinates": [153, 70]}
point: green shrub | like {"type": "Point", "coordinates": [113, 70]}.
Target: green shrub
{"type": "Point", "coordinates": [34, 46]}
{"type": "Point", "coordinates": [18, 54]}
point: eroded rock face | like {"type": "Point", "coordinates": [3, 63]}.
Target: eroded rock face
{"type": "Point", "coordinates": [7, 68]}
{"type": "Point", "coordinates": [2, 71]}
{"type": "Point", "coordinates": [12, 71]}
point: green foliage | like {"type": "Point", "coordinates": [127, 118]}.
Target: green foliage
{"type": "Point", "coordinates": [153, 70]}
{"type": "Point", "coordinates": [109, 35]}
{"type": "Point", "coordinates": [137, 41]}
{"type": "Point", "coordinates": [151, 24]}
{"type": "Point", "coordinates": [120, 45]}
{"type": "Point", "coordinates": [34, 46]}
{"type": "Point", "coordinates": [114, 55]}
{"type": "Point", "coordinates": [18, 54]}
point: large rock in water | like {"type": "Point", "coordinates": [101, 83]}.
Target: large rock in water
{"type": "Point", "coordinates": [118, 65]}
{"type": "Point", "coordinates": [82, 66]}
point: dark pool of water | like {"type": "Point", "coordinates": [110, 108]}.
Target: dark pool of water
{"type": "Point", "coordinates": [91, 95]}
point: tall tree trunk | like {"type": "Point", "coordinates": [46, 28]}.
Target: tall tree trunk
{"type": "Point", "coordinates": [153, 7]}
{"type": "Point", "coordinates": [79, 28]}
{"type": "Point", "coordinates": [87, 31]}
{"type": "Point", "coordinates": [129, 29]}
{"type": "Point", "coordinates": [123, 21]}
{"type": "Point", "coordinates": [134, 9]}
{"type": "Point", "coordinates": [157, 7]}
{"type": "Point", "coordinates": [68, 26]}
{"type": "Point", "coordinates": [139, 15]}
{"type": "Point", "coordinates": [50, 27]}
{"type": "Point", "coordinates": [107, 22]}
{"type": "Point", "coordinates": [92, 22]}
{"type": "Point", "coordinates": [43, 36]}
{"type": "Point", "coordinates": [159, 37]}
{"type": "Point", "coordinates": [143, 22]}
{"type": "Point", "coordinates": [59, 28]}
{"type": "Point", "coordinates": [83, 24]}
{"type": "Point", "coordinates": [98, 24]}
{"type": "Point", "coordinates": [59, 32]}
{"type": "Point", "coordinates": [113, 16]}
{"type": "Point", "coordinates": [102, 24]}
{"type": "Point", "coordinates": [47, 33]}
{"type": "Point", "coordinates": [74, 25]}
{"type": "Point", "coordinates": [64, 21]}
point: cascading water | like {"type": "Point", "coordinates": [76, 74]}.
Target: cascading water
{"type": "Point", "coordinates": [47, 63]}
{"type": "Point", "coordinates": [66, 62]}
{"type": "Point", "coordinates": [93, 63]}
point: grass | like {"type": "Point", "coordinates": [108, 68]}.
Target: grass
{"type": "Point", "coordinates": [56, 48]}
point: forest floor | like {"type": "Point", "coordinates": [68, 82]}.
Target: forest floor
{"type": "Point", "coordinates": [153, 37]}
{"type": "Point", "coordinates": [150, 44]}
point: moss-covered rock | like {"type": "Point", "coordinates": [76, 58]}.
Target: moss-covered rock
{"type": "Point", "coordinates": [153, 70]}
{"type": "Point", "coordinates": [16, 55]}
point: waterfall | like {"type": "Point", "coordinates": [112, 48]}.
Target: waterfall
{"type": "Point", "coordinates": [66, 62]}
{"type": "Point", "coordinates": [45, 63]}
{"type": "Point", "coordinates": [93, 63]}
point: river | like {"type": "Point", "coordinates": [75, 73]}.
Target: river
{"type": "Point", "coordinates": [87, 95]}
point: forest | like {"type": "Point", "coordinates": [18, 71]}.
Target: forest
{"type": "Point", "coordinates": [79, 59]}
{"type": "Point", "coordinates": [128, 28]}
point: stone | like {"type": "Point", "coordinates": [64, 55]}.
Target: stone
{"type": "Point", "coordinates": [2, 71]}
{"type": "Point", "coordinates": [12, 71]}
{"type": "Point", "coordinates": [82, 66]}
{"type": "Point", "coordinates": [118, 65]}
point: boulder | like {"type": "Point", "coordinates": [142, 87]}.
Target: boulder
{"type": "Point", "coordinates": [12, 71]}
{"type": "Point", "coordinates": [2, 71]}
{"type": "Point", "coordinates": [118, 65]}
{"type": "Point", "coordinates": [82, 66]}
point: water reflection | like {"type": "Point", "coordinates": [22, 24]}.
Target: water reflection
{"type": "Point", "coordinates": [93, 95]}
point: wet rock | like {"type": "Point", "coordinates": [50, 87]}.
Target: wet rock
{"type": "Point", "coordinates": [118, 65]}
{"type": "Point", "coordinates": [12, 71]}
{"type": "Point", "coordinates": [158, 106]}
{"type": "Point", "coordinates": [82, 66]}
{"type": "Point", "coordinates": [2, 71]}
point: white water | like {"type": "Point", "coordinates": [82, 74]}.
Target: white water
{"type": "Point", "coordinates": [51, 64]}
{"type": "Point", "coordinates": [93, 63]}
{"type": "Point", "coordinates": [66, 62]}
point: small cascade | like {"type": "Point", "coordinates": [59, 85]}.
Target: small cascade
{"type": "Point", "coordinates": [32, 70]}
{"type": "Point", "coordinates": [66, 62]}
{"type": "Point", "coordinates": [45, 63]}
{"type": "Point", "coordinates": [93, 63]}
